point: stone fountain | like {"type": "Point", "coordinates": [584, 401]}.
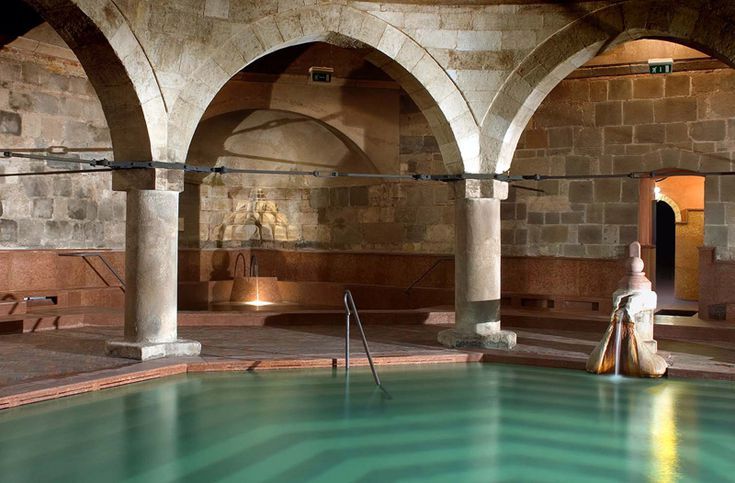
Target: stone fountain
{"type": "Point", "coordinates": [628, 347]}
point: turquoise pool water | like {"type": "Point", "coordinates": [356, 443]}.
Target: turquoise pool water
{"type": "Point", "coordinates": [444, 423]}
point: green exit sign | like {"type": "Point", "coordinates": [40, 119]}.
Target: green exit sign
{"type": "Point", "coordinates": [321, 77]}
{"type": "Point", "coordinates": [321, 74]}
{"type": "Point", "coordinates": [661, 66]}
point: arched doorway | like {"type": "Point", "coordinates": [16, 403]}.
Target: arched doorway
{"type": "Point", "coordinates": [665, 242]}
{"type": "Point", "coordinates": [611, 117]}
{"type": "Point", "coordinates": [684, 195]}
{"type": "Point", "coordinates": [560, 55]}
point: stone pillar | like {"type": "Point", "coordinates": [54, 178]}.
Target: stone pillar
{"type": "Point", "coordinates": [477, 267]}
{"type": "Point", "coordinates": [646, 208]}
{"type": "Point", "coordinates": [151, 263]}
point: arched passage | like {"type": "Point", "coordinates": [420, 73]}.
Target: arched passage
{"type": "Point", "coordinates": [116, 65]}
{"type": "Point", "coordinates": [665, 242]}
{"type": "Point", "coordinates": [270, 116]}
{"type": "Point", "coordinates": [672, 205]}
{"type": "Point", "coordinates": [689, 24]}
{"type": "Point", "coordinates": [709, 29]}
{"type": "Point", "coordinates": [118, 68]}
{"type": "Point", "coordinates": [247, 137]}
{"type": "Point", "coordinates": [427, 83]}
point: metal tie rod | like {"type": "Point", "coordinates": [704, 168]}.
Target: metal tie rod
{"type": "Point", "coordinates": [350, 308]}
{"type": "Point", "coordinates": [119, 165]}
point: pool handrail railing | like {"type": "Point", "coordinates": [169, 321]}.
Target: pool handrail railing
{"type": "Point", "coordinates": [351, 308]}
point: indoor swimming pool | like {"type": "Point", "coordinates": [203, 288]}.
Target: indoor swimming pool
{"type": "Point", "coordinates": [449, 422]}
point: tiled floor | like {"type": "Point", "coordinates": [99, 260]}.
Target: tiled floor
{"type": "Point", "coordinates": [667, 299]}
{"type": "Point", "coordinates": [54, 354]}
{"type": "Point", "coordinates": [44, 360]}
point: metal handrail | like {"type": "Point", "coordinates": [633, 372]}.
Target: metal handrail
{"type": "Point", "coordinates": [85, 255]}
{"type": "Point", "coordinates": [427, 272]}
{"type": "Point", "coordinates": [351, 308]}
{"type": "Point", "coordinates": [253, 272]}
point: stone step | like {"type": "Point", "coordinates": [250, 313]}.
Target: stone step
{"type": "Point", "coordinates": [304, 316]}
{"type": "Point", "coordinates": [83, 296]}
{"type": "Point", "coordinates": [666, 327]}
{"type": "Point", "coordinates": [51, 317]}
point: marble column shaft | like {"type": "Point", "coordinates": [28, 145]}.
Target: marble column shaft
{"type": "Point", "coordinates": [151, 281]}
{"type": "Point", "coordinates": [151, 266]}
{"type": "Point", "coordinates": [477, 267]}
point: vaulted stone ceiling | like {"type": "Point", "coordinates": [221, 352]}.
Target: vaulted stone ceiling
{"type": "Point", "coordinates": [479, 2]}
{"type": "Point", "coordinates": [348, 63]}
{"type": "Point", "coordinates": [17, 19]}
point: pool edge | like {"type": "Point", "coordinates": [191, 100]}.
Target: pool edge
{"type": "Point", "coordinates": [50, 389]}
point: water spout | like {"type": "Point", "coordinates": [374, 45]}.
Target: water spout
{"type": "Point", "coordinates": [629, 336]}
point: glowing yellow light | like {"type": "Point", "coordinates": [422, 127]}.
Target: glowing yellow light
{"type": "Point", "coordinates": [258, 303]}
{"type": "Point", "coordinates": [664, 438]}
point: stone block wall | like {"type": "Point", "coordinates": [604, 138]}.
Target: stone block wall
{"type": "Point", "coordinates": [478, 45]}
{"type": "Point", "coordinates": [46, 100]}
{"type": "Point", "coordinates": [379, 217]}
{"type": "Point", "coordinates": [605, 125]}
{"type": "Point", "coordinates": [382, 216]}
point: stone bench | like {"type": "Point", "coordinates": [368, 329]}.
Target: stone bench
{"type": "Point", "coordinates": [556, 303]}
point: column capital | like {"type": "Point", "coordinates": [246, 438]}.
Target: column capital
{"type": "Point", "coordinates": [481, 188]}
{"type": "Point", "coordinates": [148, 179]}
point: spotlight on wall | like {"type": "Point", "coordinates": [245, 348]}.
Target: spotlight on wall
{"type": "Point", "coordinates": [321, 74]}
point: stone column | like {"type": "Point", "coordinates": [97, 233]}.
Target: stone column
{"type": "Point", "coordinates": [477, 267]}
{"type": "Point", "coordinates": [151, 263]}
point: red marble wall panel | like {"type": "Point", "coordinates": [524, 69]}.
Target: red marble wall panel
{"type": "Point", "coordinates": [38, 270]}
{"type": "Point", "coordinates": [28, 270]}
{"type": "Point", "coordinates": [581, 277]}
{"type": "Point", "coordinates": [716, 286]}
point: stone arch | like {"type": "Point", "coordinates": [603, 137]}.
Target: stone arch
{"type": "Point", "coordinates": [119, 70]}
{"type": "Point", "coordinates": [401, 57]}
{"type": "Point", "coordinates": [706, 25]}
{"type": "Point", "coordinates": [252, 124]}
{"type": "Point", "coordinates": [672, 204]}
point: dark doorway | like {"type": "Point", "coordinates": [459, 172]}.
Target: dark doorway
{"type": "Point", "coordinates": [665, 241]}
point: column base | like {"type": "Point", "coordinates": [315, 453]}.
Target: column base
{"type": "Point", "coordinates": [500, 339]}
{"type": "Point", "coordinates": [145, 351]}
